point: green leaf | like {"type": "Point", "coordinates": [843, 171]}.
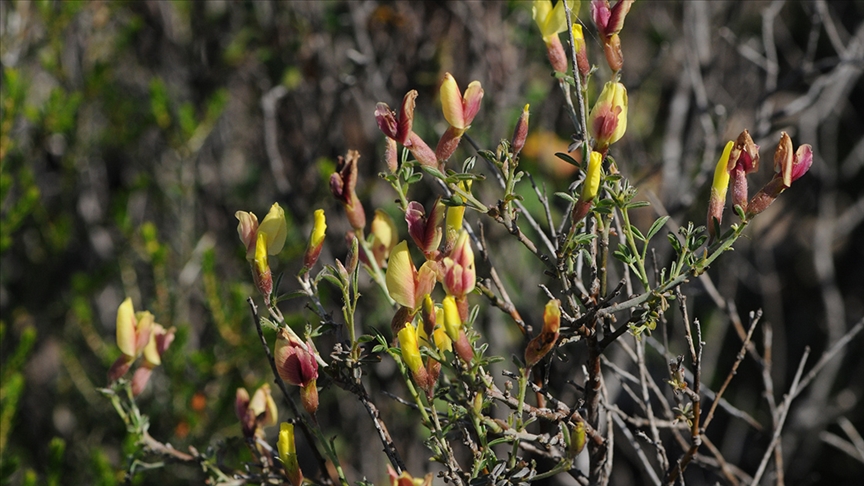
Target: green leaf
{"type": "Point", "coordinates": [637, 234]}
{"type": "Point", "coordinates": [655, 228]}
{"type": "Point", "coordinates": [433, 171]}
{"type": "Point", "coordinates": [567, 158]}
{"type": "Point", "coordinates": [637, 204]}
{"type": "Point", "coordinates": [566, 196]}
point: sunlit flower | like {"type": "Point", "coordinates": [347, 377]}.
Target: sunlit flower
{"type": "Point", "coordinates": [608, 118]}
{"type": "Point", "coordinates": [459, 273]}
{"type": "Point", "coordinates": [406, 285]}
{"type": "Point", "coordinates": [384, 237]}
{"type": "Point", "coordinates": [316, 240]}
{"type": "Point", "coordinates": [717, 200]}
{"type": "Point", "coordinates": [410, 346]}
{"type": "Point", "coordinates": [590, 187]}
{"type": "Point", "coordinates": [551, 21]}
{"type": "Point", "coordinates": [743, 160]}
{"type": "Point", "coordinates": [789, 166]}
{"type": "Point", "coordinates": [288, 453]}
{"type": "Point", "coordinates": [133, 334]}
{"type": "Point", "coordinates": [397, 128]}
{"type": "Point", "coordinates": [459, 111]}
{"type": "Point", "coordinates": [581, 50]}
{"type": "Point", "coordinates": [273, 227]}
{"type": "Point", "coordinates": [453, 326]}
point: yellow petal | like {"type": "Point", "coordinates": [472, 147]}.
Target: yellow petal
{"type": "Point", "coordinates": [151, 354]}
{"type": "Point", "coordinates": [619, 99]}
{"type": "Point", "coordinates": [451, 102]}
{"type": "Point", "coordinates": [442, 340]}
{"type": "Point", "coordinates": [400, 276]}
{"type": "Point", "coordinates": [384, 230]}
{"type": "Point", "coordinates": [276, 229]}
{"type": "Point", "coordinates": [126, 327]}
{"type": "Point", "coordinates": [261, 253]}
{"type": "Point", "coordinates": [591, 184]}
{"type": "Point", "coordinates": [452, 322]}
{"type": "Point", "coordinates": [721, 175]}
{"type": "Point", "coordinates": [410, 348]}
{"type": "Point", "coordinates": [318, 228]}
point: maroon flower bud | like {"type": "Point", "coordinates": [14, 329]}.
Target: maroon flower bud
{"type": "Point", "coordinates": [295, 360]}
{"type": "Point", "coordinates": [342, 185]}
{"type": "Point", "coordinates": [520, 133]}
{"type": "Point", "coordinates": [425, 231]}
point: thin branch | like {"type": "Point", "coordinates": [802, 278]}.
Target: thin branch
{"type": "Point", "coordinates": [754, 319]}
{"type": "Point", "coordinates": [787, 402]}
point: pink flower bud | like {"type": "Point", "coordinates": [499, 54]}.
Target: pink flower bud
{"type": "Point", "coordinates": [426, 232]}
{"type": "Point", "coordinates": [520, 133]}
{"type": "Point", "coordinates": [789, 167]}
{"type": "Point", "coordinates": [342, 185]}
{"type": "Point", "coordinates": [459, 273]}
{"type": "Point", "coordinates": [295, 360]}
{"type": "Point", "coordinates": [420, 150]}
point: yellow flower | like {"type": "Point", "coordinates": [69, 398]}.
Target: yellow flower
{"type": "Point", "coordinates": [452, 322]}
{"type": "Point", "coordinates": [409, 344]}
{"type": "Point", "coordinates": [288, 453]}
{"type": "Point", "coordinates": [718, 189]}
{"type": "Point", "coordinates": [384, 236]}
{"type": "Point", "coordinates": [274, 228]}
{"type": "Point", "coordinates": [608, 118]}
{"type": "Point", "coordinates": [551, 20]}
{"type": "Point", "coordinates": [316, 240]}
{"type": "Point", "coordinates": [591, 184]}
{"type": "Point", "coordinates": [406, 285]}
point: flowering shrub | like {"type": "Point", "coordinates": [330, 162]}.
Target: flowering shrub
{"type": "Point", "coordinates": [471, 382]}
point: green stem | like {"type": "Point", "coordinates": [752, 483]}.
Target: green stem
{"type": "Point", "coordinates": [520, 424]}
{"type": "Point", "coordinates": [631, 242]}
{"type": "Point", "coordinates": [562, 466]}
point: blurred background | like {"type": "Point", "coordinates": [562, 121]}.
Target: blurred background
{"type": "Point", "coordinates": [132, 132]}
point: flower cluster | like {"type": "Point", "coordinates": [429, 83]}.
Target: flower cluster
{"type": "Point", "coordinates": [262, 240]}
{"type": "Point", "coordinates": [138, 335]}
{"type": "Point", "coordinates": [459, 111]}
{"type": "Point", "coordinates": [740, 158]}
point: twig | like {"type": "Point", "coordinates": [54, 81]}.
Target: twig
{"type": "Point", "coordinates": [787, 402]}
{"type": "Point", "coordinates": [754, 319]}
{"type": "Point", "coordinates": [646, 464]}
{"type": "Point", "coordinates": [828, 355]}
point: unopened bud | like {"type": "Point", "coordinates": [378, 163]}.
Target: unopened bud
{"type": "Point", "coordinates": [520, 133]}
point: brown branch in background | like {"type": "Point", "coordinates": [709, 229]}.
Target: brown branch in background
{"type": "Point", "coordinates": [271, 137]}
{"type": "Point", "coordinates": [695, 435]}
{"type": "Point", "coordinates": [787, 402]}
{"type": "Point", "coordinates": [504, 303]}
{"type": "Point", "coordinates": [769, 395]}
{"type": "Point", "coordinates": [754, 319]}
